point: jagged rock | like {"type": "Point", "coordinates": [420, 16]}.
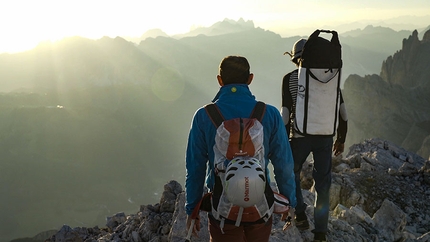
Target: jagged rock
{"type": "Point", "coordinates": [179, 230]}
{"type": "Point", "coordinates": [367, 204]}
{"type": "Point", "coordinates": [115, 220]}
{"type": "Point", "coordinates": [402, 68]}
{"type": "Point", "coordinates": [67, 234]}
{"type": "Point", "coordinates": [401, 91]}
{"type": "Point", "coordinates": [390, 221]}
{"type": "Point", "coordinates": [353, 215]}
{"type": "Point", "coordinates": [167, 202]}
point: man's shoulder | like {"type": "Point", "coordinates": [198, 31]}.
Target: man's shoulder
{"type": "Point", "coordinates": [291, 73]}
{"type": "Point", "coordinates": [272, 110]}
{"type": "Point", "coordinates": [201, 112]}
{"type": "Point", "coordinates": [295, 71]}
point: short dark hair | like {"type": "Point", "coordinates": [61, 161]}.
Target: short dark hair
{"type": "Point", "coordinates": [234, 70]}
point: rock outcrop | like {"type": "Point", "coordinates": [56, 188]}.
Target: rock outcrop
{"type": "Point", "coordinates": [380, 192]}
{"type": "Point", "coordinates": [394, 105]}
{"type": "Point", "coordinates": [409, 66]}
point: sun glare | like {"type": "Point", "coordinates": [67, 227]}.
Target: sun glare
{"type": "Point", "coordinates": [26, 23]}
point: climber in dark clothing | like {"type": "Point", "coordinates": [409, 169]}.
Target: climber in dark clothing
{"type": "Point", "coordinates": [321, 148]}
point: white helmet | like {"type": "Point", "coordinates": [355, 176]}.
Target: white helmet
{"type": "Point", "coordinates": [296, 52]}
{"type": "Point", "coordinates": [245, 181]}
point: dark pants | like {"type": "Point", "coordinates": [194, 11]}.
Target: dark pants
{"type": "Point", "coordinates": [321, 148]}
{"type": "Point", "coordinates": [248, 233]}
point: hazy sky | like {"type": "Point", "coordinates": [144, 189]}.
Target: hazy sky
{"type": "Point", "coordinates": [24, 23]}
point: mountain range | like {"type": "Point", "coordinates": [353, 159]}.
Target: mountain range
{"type": "Point", "coordinates": [394, 105]}
{"type": "Point", "coordinates": [108, 119]}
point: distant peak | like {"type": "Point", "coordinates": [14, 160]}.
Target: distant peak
{"type": "Point", "coordinates": [241, 22]}
{"type": "Point", "coordinates": [426, 37]}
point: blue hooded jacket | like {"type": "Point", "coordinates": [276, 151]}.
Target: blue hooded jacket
{"type": "Point", "coordinates": [236, 100]}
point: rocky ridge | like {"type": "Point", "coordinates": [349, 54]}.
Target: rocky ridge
{"type": "Point", "coordinates": [407, 66]}
{"type": "Point", "coordinates": [380, 192]}
{"type": "Point", "coordinates": [401, 92]}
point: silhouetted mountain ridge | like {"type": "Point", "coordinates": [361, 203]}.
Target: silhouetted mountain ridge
{"type": "Point", "coordinates": [220, 28]}
{"type": "Point", "coordinates": [409, 66]}
{"type": "Point", "coordinates": [152, 33]}
{"type": "Point", "coordinates": [395, 105]}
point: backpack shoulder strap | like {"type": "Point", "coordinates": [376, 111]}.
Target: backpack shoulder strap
{"type": "Point", "coordinates": [217, 118]}
{"type": "Point", "coordinates": [214, 114]}
{"type": "Point", "coordinates": [259, 110]}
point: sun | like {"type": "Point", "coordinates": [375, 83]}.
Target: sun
{"type": "Point", "coordinates": [26, 23]}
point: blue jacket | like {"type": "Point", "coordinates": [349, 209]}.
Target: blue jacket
{"type": "Point", "coordinates": [236, 100]}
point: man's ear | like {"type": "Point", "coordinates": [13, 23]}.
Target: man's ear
{"type": "Point", "coordinates": [219, 80]}
{"type": "Point", "coordinates": [251, 76]}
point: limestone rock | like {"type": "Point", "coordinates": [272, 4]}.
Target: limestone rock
{"type": "Point", "coordinates": [367, 204]}
{"type": "Point", "coordinates": [390, 220]}
{"type": "Point", "coordinates": [401, 91]}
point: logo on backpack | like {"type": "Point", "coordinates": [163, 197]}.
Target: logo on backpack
{"type": "Point", "coordinates": [319, 76]}
{"type": "Point", "coordinates": [301, 91]}
{"type": "Point", "coordinates": [241, 192]}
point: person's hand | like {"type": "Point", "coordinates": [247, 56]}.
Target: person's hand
{"type": "Point", "coordinates": [285, 215]}
{"type": "Point", "coordinates": [196, 225]}
{"type": "Point", "coordinates": [288, 217]}
{"type": "Point", "coordinates": [338, 147]}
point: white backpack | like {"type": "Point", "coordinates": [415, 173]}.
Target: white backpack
{"type": "Point", "coordinates": [318, 95]}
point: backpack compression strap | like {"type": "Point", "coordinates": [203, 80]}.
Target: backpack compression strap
{"type": "Point", "coordinates": [217, 118]}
